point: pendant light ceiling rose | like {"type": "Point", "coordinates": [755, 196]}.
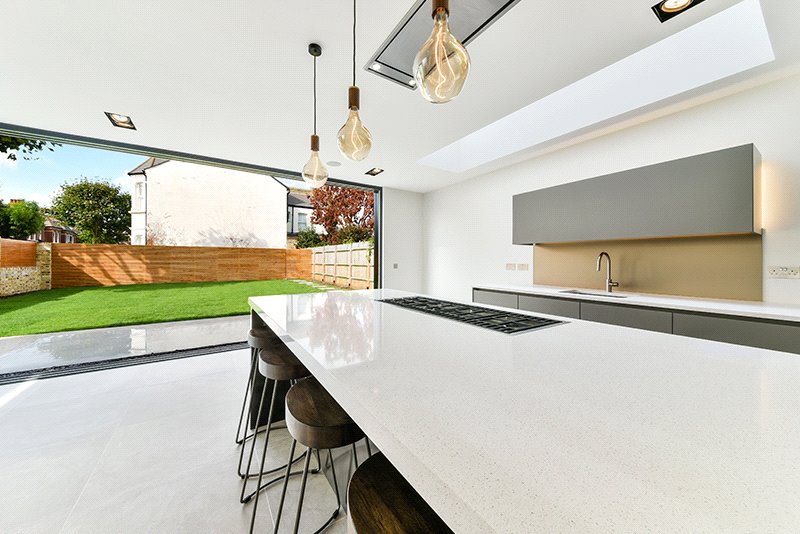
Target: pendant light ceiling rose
{"type": "Point", "coordinates": [314, 49]}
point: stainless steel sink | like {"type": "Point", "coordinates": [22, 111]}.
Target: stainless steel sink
{"type": "Point", "coordinates": [592, 293]}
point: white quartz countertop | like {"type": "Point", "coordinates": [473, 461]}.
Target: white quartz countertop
{"type": "Point", "coordinates": [742, 308]}
{"type": "Point", "coordinates": [581, 427]}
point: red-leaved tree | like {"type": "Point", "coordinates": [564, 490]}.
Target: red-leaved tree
{"type": "Point", "coordinates": [337, 208]}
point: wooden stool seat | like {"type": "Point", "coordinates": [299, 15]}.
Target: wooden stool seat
{"type": "Point", "coordinates": [261, 338]}
{"type": "Point", "coordinates": [316, 420]}
{"type": "Point", "coordinates": [277, 362]}
{"type": "Point", "coordinates": [381, 500]}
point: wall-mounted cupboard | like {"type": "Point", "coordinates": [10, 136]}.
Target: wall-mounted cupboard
{"type": "Point", "coordinates": [717, 193]}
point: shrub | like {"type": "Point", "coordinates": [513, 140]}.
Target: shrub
{"type": "Point", "coordinates": [308, 238]}
{"type": "Point", "coordinates": [352, 234]}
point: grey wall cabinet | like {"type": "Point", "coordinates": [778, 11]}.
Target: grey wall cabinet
{"type": "Point", "coordinates": [560, 307]}
{"type": "Point", "coordinates": [644, 319]}
{"type": "Point", "coordinates": [495, 298]}
{"type": "Point", "coordinates": [710, 194]}
{"type": "Point", "coordinates": [753, 333]}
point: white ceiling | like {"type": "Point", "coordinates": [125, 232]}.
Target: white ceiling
{"type": "Point", "coordinates": [232, 79]}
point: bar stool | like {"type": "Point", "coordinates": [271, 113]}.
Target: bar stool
{"type": "Point", "coordinates": [379, 499]}
{"type": "Point", "coordinates": [257, 338]}
{"type": "Point", "coordinates": [278, 364]}
{"type": "Point", "coordinates": [316, 421]}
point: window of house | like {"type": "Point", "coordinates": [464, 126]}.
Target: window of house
{"type": "Point", "coordinates": [138, 197]}
{"type": "Point", "coordinates": [302, 221]}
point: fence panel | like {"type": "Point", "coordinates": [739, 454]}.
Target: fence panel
{"type": "Point", "coordinates": [110, 265]}
{"type": "Point", "coordinates": [351, 265]}
{"type": "Point", "coordinates": [15, 253]}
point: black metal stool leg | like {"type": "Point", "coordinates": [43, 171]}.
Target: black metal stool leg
{"type": "Point", "coordinates": [369, 449]}
{"type": "Point", "coordinates": [355, 455]}
{"type": "Point", "coordinates": [250, 380]}
{"type": "Point", "coordinates": [283, 492]}
{"type": "Point", "coordinates": [302, 491]}
{"type": "Point", "coordinates": [246, 474]}
{"type": "Point", "coordinates": [264, 452]}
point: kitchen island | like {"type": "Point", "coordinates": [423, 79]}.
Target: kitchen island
{"type": "Point", "coordinates": [579, 427]}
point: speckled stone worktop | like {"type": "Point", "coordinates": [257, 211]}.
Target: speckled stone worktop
{"type": "Point", "coordinates": [582, 427]}
{"type": "Point", "coordinates": [738, 308]}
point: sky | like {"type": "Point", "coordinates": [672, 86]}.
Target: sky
{"type": "Point", "coordinates": [40, 179]}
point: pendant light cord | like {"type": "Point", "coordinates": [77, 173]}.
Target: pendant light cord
{"type": "Point", "coordinates": [315, 95]}
{"type": "Point", "coordinates": [354, 43]}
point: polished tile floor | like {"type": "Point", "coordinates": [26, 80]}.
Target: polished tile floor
{"type": "Point", "coordinates": [138, 449]}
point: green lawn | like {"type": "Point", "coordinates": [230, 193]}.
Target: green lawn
{"type": "Point", "coordinates": [60, 310]}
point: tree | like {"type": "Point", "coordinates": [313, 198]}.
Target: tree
{"type": "Point", "coordinates": [336, 208]}
{"type": "Point", "coordinates": [11, 145]}
{"type": "Point", "coordinates": [99, 211]}
{"type": "Point", "coordinates": [5, 224]}
{"type": "Point", "coordinates": [24, 219]}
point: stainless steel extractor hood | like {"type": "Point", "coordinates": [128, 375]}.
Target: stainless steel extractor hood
{"type": "Point", "coordinates": [394, 59]}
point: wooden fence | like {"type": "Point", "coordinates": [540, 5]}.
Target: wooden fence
{"type": "Point", "coordinates": [351, 265]}
{"type": "Point", "coordinates": [17, 253]}
{"type": "Point", "coordinates": [111, 265]}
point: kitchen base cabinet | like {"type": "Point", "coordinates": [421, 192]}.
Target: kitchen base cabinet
{"type": "Point", "coordinates": [560, 307]}
{"type": "Point", "coordinates": [495, 298]}
{"type": "Point", "coordinates": [644, 319]}
{"type": "Point", "coordinates": [765, 335]}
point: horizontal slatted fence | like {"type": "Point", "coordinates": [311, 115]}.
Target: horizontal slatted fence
{"type": "Point", "coordinates": [110, 265]}
{"type": "Point", "coordinates": [17, 253]}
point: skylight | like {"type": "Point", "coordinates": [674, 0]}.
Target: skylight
{"type": "Point", "coordinates": [730, 42]}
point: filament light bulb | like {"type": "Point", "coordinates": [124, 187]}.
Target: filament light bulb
{"type": "Point", "coordinates": [354, 139]}
{"type": "Point", "coordinates": [315, 173]}
{"type": "Point", "coordinates": [441, 66]}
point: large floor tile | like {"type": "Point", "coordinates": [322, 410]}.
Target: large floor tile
{"type": "Point", "coordinates": [142, 449]}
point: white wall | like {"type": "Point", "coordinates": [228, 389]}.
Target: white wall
{"type": "Point", "coordinates": [202, 205]}
{"type": "Point", "coordinates": [402, 240]}
{"type": "Point", "coordinates": [467, 233]}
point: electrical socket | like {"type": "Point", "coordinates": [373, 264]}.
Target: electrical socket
{"type": "Point", "coordinates": [784, 272]}
{"type": "Point", "coordinates": [511, 266]}
{"type": "Point", "coordinates": [522, 266]}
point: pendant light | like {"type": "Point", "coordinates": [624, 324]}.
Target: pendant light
{"type": "Point", "coordinates": [315, 173]}
{"type": "Point", "coordinates": [354, 139]}
{"type": "Point", "coordinates": [442, 64]}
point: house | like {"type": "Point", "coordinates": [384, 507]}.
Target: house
{"type": "Point", "coordinates": [178, 203]}
{"type": "Point", "coordinates": [56, 232]}
{"type": "Point", "coordinates": [298, 216]}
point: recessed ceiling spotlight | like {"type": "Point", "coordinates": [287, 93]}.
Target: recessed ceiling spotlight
{"type": "Point", "coordinates": [120, 121]}
{"type": "Point", "coordinates": [666, 9]}
{"type": "Point", "coordinates": [412, 82]}
{"type": "Point", "coordinates": [376, 66]}
{"type": "Point", "coordinates": [375, 171]}
{"type": "Point", "coordinates": [334, 163]}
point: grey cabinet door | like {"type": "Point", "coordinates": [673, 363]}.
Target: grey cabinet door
{"type": "Point", "coordinates": [645, 319]}
{"type": "Point", "coordinates": [561, 307]}
{"type": "Point", "coordinates": [749, 332]}
{"type": "Point", "coordinates": [495, 298]}
{"type": "Point", "coordinates": [708, 194]}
